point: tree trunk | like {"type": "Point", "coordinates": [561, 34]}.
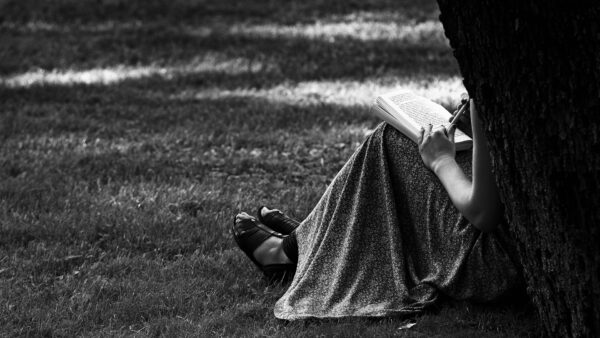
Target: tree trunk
{"type": "Point", "coordinates": [533, 68]}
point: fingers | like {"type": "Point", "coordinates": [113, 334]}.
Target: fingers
{"type": "Point", "coordinates": [464, 98]}
{"type": "Point", "coordinates": [424, 136]}
{"type": "Point", "coordinates": [430, 133]}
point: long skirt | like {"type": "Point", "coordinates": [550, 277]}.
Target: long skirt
{"type": "Point", "coordinates": [385, 239]}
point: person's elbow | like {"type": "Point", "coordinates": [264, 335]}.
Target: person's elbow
{"type": "Point", "coordinates": [486, 222]}
{"type": "Point", "coordinates": [486, 213]}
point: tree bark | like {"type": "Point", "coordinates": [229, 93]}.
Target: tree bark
{"type": "Point", "coordinates": [533, 68]}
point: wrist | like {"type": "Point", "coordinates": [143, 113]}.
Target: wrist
{"type": "Point", "coordinates": [441, 163]}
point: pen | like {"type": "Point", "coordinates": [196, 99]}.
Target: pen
{"type": "Point", "coordinates": [458, 115]}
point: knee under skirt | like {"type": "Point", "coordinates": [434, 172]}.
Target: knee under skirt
{"type": "Point", "coordinates": [385, 239]}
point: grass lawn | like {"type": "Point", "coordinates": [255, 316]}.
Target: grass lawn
{"type": "Point", "coordinates": [133, 130]}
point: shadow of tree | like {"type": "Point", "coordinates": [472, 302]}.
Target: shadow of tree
{"type": "Point", "coordinates": [280, 57]}
{"type": "Point", "coordinates": [79, 11]}
{"type": "Point", "coordinates": [151, 105]}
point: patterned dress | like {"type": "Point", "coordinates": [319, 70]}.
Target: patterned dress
{"type": "Point", "coordinates": [385, 239]}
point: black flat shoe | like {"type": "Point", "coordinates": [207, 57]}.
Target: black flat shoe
{"type": "Point", "coordinates": [277, 221]}
{"type": "Point", "coordinates": [249, 235]}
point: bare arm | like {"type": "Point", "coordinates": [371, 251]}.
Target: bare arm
{"type": "Point", "coordinates": [477, 200]}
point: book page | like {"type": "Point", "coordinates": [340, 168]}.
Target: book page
{"type": "Point", "coordinates": [399, 124]}
{"type": "Point", "coordinates": [423, 112]}
{"type": "Point", "coordinates": [408, 112]}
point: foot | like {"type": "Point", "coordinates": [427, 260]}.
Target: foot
{"type": "Point", "coordinates": [271, 250]}
{"type": "Point", "coordinates": [277, 220]}
{"type": "Point", "coordinates": [264, 211]}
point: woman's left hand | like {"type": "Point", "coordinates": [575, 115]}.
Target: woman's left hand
{"type": "Point", "coordinates": [436, 146]}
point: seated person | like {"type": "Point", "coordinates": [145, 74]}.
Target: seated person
{"type": "Point", "coordinates": [398, 227]}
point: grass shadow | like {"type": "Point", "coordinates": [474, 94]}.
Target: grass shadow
{"type": "Point", "coordinates": [270, 58]}
{"type": "Point", "coordinates": [78, 11]}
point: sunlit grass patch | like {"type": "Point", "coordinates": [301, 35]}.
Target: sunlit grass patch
{"type": "Point", "coordinates": [444, 90]}
{"type": "Point", "coordinates": [360, 25]}
{"type": "Point", "coordinates": [209, 62]}
{"type": "Point", "coordinates": [422, 33]}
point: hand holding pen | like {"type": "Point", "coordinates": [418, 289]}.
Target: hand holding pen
{"type": "Point", "coordinates": [461, 117]}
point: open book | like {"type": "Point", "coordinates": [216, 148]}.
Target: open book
{"type": "Point", "coordinates": [408, 112]}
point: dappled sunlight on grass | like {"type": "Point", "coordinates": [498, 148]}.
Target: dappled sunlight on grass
{"type": "Point", "coordinates": [360, 25]}
{"type": "Point", "coordinates": [423, 33]}
{"type": "Point", "coordinates": [133, 131]}
{"type": "Point", "coordinates": [92, 76]}
{"type": "Point", "coordinates": [210, 62]}
{"type": "Point", "coordinates": [444, 90]}
{"type": "Point", "coordinates": [46, 26]}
